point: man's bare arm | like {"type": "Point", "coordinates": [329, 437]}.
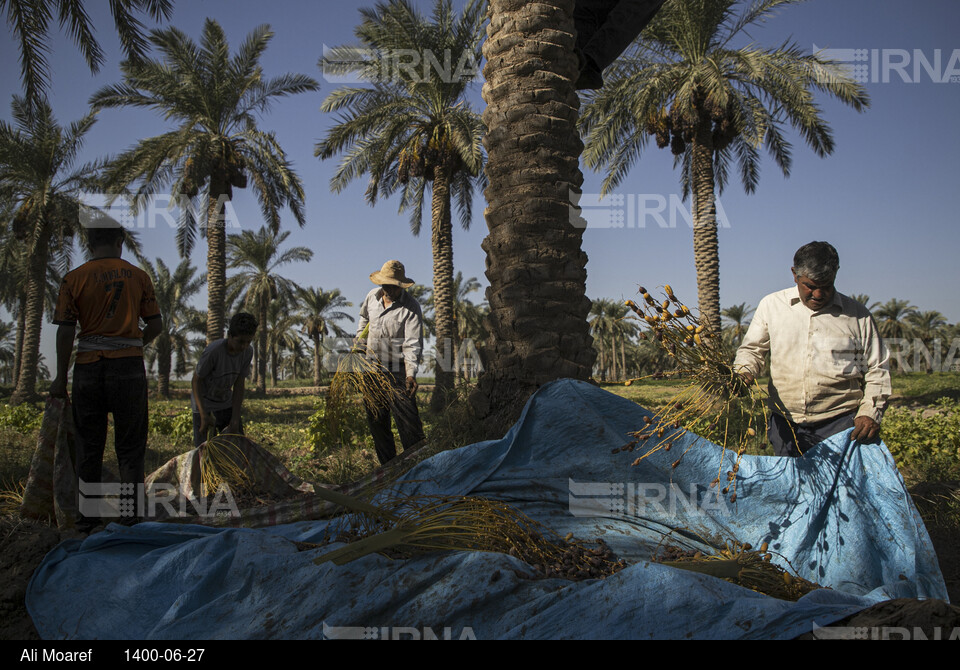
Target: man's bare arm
{"type": "Point", "coordinates": [65, 337]}
{"type": "Point", "coordinates": [152, 329]}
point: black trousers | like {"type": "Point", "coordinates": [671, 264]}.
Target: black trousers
{"type": "Point", "coordinates": [116, 386]}
{"type": "Point", "coordinates": [405, 413]}
{"type": "Point", "coordinates": [222, 417]}
{"type": "Point", "coordinates": [794, 439]}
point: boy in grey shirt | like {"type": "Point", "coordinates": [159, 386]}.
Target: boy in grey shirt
{"type": "Point", "coordinates": [218, 380]}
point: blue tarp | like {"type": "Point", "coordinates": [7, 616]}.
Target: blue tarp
{"type": "Point", "coordinates": [841, 516]}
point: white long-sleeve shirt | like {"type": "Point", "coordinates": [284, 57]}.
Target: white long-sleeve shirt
{"type": "Point", "coordinates": [822, 364]}
{"type": "Point", "coordinates": [396, 332]}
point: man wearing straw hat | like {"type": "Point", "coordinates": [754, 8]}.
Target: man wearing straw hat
{"type": "Point", "coordinates": [391, 323]}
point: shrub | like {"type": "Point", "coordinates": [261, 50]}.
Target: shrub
{"type": "Point", "coordinates": [926, 445]}
{"type": "Point", "coordinates": [177, 426]}
{"type": "Point", "coordinates": [22, 418]}
{"type": "Point", "coordinates": [350, 427]}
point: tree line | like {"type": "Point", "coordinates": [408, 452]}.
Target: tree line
{"type": "Point", "coordinates": [414, 135]}
{"type": "Point", "coordinates": [917, 339]}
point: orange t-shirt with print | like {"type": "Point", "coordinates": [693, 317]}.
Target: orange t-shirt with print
{"type": "Point", "coordinates": [108, 297]}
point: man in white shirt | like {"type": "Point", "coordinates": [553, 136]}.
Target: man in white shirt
{"type": "Point", "coordinates": [829, 368]}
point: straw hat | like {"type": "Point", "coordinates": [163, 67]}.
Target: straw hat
{"type": "Point", "coordinates": [392, 272]}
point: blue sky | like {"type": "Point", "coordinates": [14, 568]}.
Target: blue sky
{"type": "Point", "coordinates": [884, 198]}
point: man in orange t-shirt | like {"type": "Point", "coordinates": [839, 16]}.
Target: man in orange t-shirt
{"type": "Point", "coordinates": [108, 297]}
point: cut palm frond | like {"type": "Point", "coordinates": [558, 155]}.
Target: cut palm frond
{"type": "Point", "coordinates": [223, 464]}
{"type": "Point", "coordinates": [739, 563]}
{"type": "Point", "coordinates": [11, 498]}
{"type": "Point", "coordinates": [415, 524]}
{"type": "Point", "coordinates": [716, 402]}
{"type": "Point", "coordinates": [357, 375]}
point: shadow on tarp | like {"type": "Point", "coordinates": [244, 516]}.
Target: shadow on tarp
{"type": "Point", "coordinates": [841, 516]}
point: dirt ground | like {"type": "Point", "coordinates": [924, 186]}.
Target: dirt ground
{"type": "Point", "coordinates": [23, 545]}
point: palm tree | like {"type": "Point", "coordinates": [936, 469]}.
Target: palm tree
{"type": "Point", "coordinates": [422, 293]}
{"type": "Point", "coordinates": [650, 358]}
{"type": "Point", "coordinates": [13, 294]}
{"type": "Point", "coordinates": [43, 372]}
{"type": "Point", "coordinates": [283, 336]}
{"type": "Point", "coordinates": [536, 267]}
{"type": "Point", "coordinates": [622, 329]}
{"type": "Point", "coordinates": [13, 297]}
{"type": "Point", "coordinates": [413, 131]}
{"type": "Point", "coordinates": [715, 106]}
{"type": "Point", "coordinates": [36, 177]}
{"type": "Point", "coordinates": [610, 324]}
{"type": "Point", "coordinates": [258, 257]}
{"type": "Point", "coordinates": [296, 365]}
{"type": "Point", "coordinates": [470, 329]}
{"type": "Point", "coordinates": [892, 317]}
{"type": "Point", "coordinates": [29, 21]}
{"type": "Point", "coordinates": [216, 147]}
{"type": "Point", "coordinates": [320, 311]}
{"type": "Point", "coordinates": [8, 342]}
{"type": "Point", "coordinates": [927, 326]}
{"type": "Point", "coordinates": [174, 291]}
{"type": "Point", "coordinates": [739, 317]}
{"type": "Point", "coordinates": [464, 314]}
{"type": "Point", "coordinates": [862, 298]}
{"type": "Point", "coordinates": [600, 327]}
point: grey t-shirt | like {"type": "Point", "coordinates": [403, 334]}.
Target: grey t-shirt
{"type": "Point", "coordinates": [217, 371]}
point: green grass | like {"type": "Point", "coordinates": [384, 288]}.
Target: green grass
{"type": "Point", "coordinates": [282, 424]}
{"type": "Point", "coordinates": [918, 388]}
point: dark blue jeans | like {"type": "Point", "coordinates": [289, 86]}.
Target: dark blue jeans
{"type": "Point", "coordinates": [794, 439]}
{"type": "Point", "coordinates": [116, 386]}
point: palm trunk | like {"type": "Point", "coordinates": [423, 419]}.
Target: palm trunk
{"type": "Point", "coordinates": [613, 355]}
{"type": "Point", "coordinates": [18, 347]}
{"type": "Point", "coordinates": [603, 365]}
{"type": "Point", "coordinates": [623, 357]}
{"type": "Point", "coordinates": [26, 388]}
{"type": "Point", "coordinates": [442, 242]}
{"type": "Point", "coordinates": [706, 248]}
{"type": "Point", "coordinates": [262, 350]}
{"type": "Point", "coordinates": [274, 366]}
{"type": "Point", "coordinates": [220, 193]}
{"type": "Point", "coordinates": [537, 323]}
{"type": "Point", "coordinates": [317, 359]}
{"type": "Point", "coordinates": [164, 365]}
